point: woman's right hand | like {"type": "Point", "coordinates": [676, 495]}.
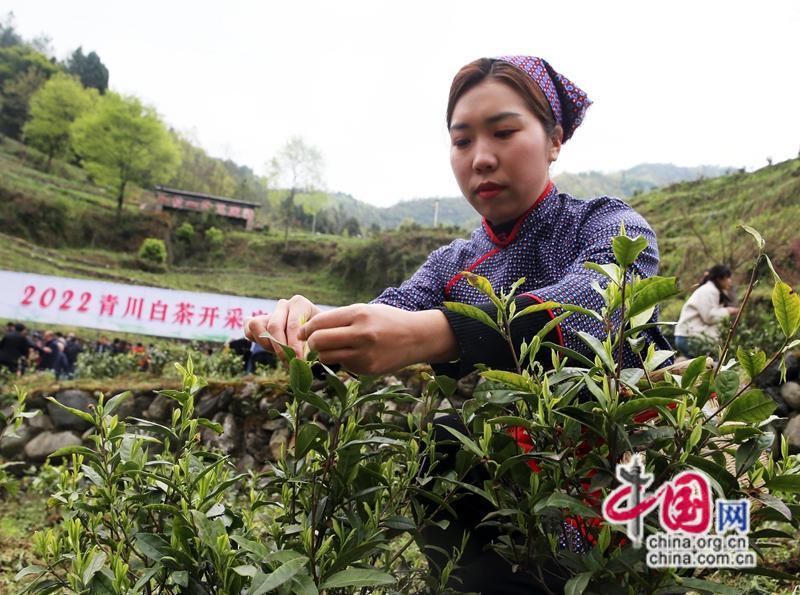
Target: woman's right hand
{"type": "Point", "coordinates": [282, 324]}
{"type": "Point", "coordinates": [733, 310]}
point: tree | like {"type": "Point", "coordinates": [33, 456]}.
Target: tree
{"type": "Point", "coordinates": [198, 171]}
{"type": "Point", "coordinates": [123, 141]}
{"type": "Point", "coordinates": [22, 72]}
{"type": "Point", "coordinates": [297, 166]}
{"type": "Point", "coordinates": [53, 109]}
{"type": "Point", "coordinates": [312, 204]}
{"type": "Point", "coordinates": [8, 33]}
{"type": "Point", "coordinates": [90, 69]}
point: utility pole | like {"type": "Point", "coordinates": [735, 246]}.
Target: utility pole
{"type": "Point", "coordinates": [436, 213]}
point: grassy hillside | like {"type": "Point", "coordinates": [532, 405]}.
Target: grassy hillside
{"type": "Point", "coordinates": [696, 221]}
{"type": "Point", "coordinates": [60, 224]}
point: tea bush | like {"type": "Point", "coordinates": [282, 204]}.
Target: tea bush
{"type": "Point", "coordinates": [222, 363]}
{"type": "Point", "coordinates": [153, 252]}
{"type": "Point", "coordinates": [215, 238]}
{"type": "Point", "coordinates": [149, 510]}
{"type": "Point", "coordinates": [185, 232]}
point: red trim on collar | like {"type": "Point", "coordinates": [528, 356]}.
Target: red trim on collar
{"type": "Point", "coordinates": [457, 276]}
{"type": "Point", "coordinates": [550, 312]}
{"type": "Point", "coordinates": [513, 233]}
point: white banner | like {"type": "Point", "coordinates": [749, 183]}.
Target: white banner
{"type": "Point", "coordinates": [126, 308]}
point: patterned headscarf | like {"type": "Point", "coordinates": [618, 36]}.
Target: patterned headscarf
{"type": "Point", "coordinates": [566, 100]}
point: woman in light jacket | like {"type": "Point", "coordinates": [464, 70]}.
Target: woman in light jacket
{"type": "Point", "coordinates": [711, 302]}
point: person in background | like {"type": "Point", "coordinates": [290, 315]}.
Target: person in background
{"type": "Point", "coordinates": [697, 331]}
{"type": "Point", "coordinates": [10, 327]}
{"type": "Point", "coordinates": [48, 351]}
{"type": "Point", "coordinates": [61, 366]}
{"type": "Point", "coordinates": [102, 345]}
{"type": "Point", "coordinates": [14, 348]}
{"type": "Point", "coordinates": [140, 351]}
{"type": "Point", "coordinates": [72, 350]}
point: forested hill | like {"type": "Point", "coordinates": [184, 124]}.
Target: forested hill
{"type": "Point", "coordinates": [456, 211]}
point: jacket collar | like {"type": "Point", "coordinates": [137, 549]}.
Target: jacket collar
{"type": "Point", "coordinates": [501, 236]}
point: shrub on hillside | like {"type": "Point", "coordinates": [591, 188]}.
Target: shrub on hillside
{"type": "Point", "coordinates": [215, 238]}
{"type": "Point", "coordinates": [185, 233]}
{"type": "Point", "coordinates": [153, 253]}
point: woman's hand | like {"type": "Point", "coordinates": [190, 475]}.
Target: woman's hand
{"type": "Point", "coordinates": [375, 338]}
{"type": "Point", "coordinates": [282, 324]}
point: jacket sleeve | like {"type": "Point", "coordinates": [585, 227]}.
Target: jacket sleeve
{"type": "Point", "coordinates": [577, 286]}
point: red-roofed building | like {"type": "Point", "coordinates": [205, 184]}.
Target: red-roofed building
{"type": "Point", "coordinates": [237, 211]}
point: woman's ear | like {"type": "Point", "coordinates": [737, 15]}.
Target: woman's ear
{"type": "Point", "coordinates": [555, 143]}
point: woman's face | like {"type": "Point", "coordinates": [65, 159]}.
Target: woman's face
{"type": "Point", "coordinates": [499, 151]}
{"type": "Point", "coordinates": [726, 283]}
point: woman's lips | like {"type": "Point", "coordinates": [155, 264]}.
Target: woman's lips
{"type": "Point", "coordinates": [488, 192]}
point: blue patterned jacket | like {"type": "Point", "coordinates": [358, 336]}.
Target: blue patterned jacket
{"type": "Point", "coordinates": [547, 245]}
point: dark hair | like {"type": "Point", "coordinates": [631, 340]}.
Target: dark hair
{"type": "Point", "coordinates": [716, 274]}
{"type": "Point", "coordinates": [475, 72]}
{"type": "Point", "coordinates": [19, 327]}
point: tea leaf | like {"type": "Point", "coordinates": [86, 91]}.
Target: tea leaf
{"type": "Point", "coordinates": [752, 362]}
{"type": "Point", "coordinates": [599, 348]}
{"type": "Point", "coordinates": [609, 270]}
{"type": "Point", "coordinates": [308, 438]}
{"type": "Point", "coordinates": [537, 308]}
{"type": "Point", "coordinates": [400, 523]}
{"type": "Point", "coordinates": [151, 545]}
{"type": "Point", "coordinates": [561, 500]}
{"type": "Point", "coordinates": [468, 443]}
{"type": "Point", "coordinates": [693, 370]}
{"type": "Point", "coordinates": [76, 412]}
{"type": "Point", "coordinates": [115, 401]}
{"type": "Point", "coordinates": [471, 312]}
{"type": "Point", "coordinates": [483, 285]}
{"type": "Point", "coordinates": [756, 236]}
{"type": "Point", "coordinates": [751, 406]}
{"type": "Point", "coordinates": [748, 452]}
{"type": "Point", "coordinates": [578, 583]}
{"type": "Point", "coordinates": [726, 383]}
{"type": "Point", "coordinates": [358, 577]}
{"type": "Point", "coordinates": [545, 330]}
{"type": "Point", "coordinates": [786, 304]}
{"type": "Point", "coordinates": [650, 292]}
{"type": "Point", "coordinates": [633, 406]}
{"type": "Point", "coordinates": [784, 483]}
{"type": "Point", "coordinates": [263, 583]}
{"type": "Point", "coordinates": [510, 379]}
{"type": "Point", "coordinates": [300, 376]}
{"type": "Point", "coordinates": [627, 250]}
{"type": "Point", "coordinates": [94, 565]}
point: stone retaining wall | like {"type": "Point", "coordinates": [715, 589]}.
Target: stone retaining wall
{"type": "Point", "coordinates": [249, 412]}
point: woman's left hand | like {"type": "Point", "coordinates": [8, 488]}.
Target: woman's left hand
{"type": "Point", "coordinates": [375, 338]}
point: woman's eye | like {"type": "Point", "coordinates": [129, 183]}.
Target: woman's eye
{"type": "Point", "coordinates": [504, 133]}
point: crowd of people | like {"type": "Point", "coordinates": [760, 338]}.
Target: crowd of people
{"type": "Point", "coordinates": [23, 350]}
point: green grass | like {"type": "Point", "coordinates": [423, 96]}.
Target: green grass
{"type": "Point", "coordinates": [20, 517]}
{"type": "Point", "coordinates": [696, 222]}
{"type": "Point", "coordinates": [274, 281]}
